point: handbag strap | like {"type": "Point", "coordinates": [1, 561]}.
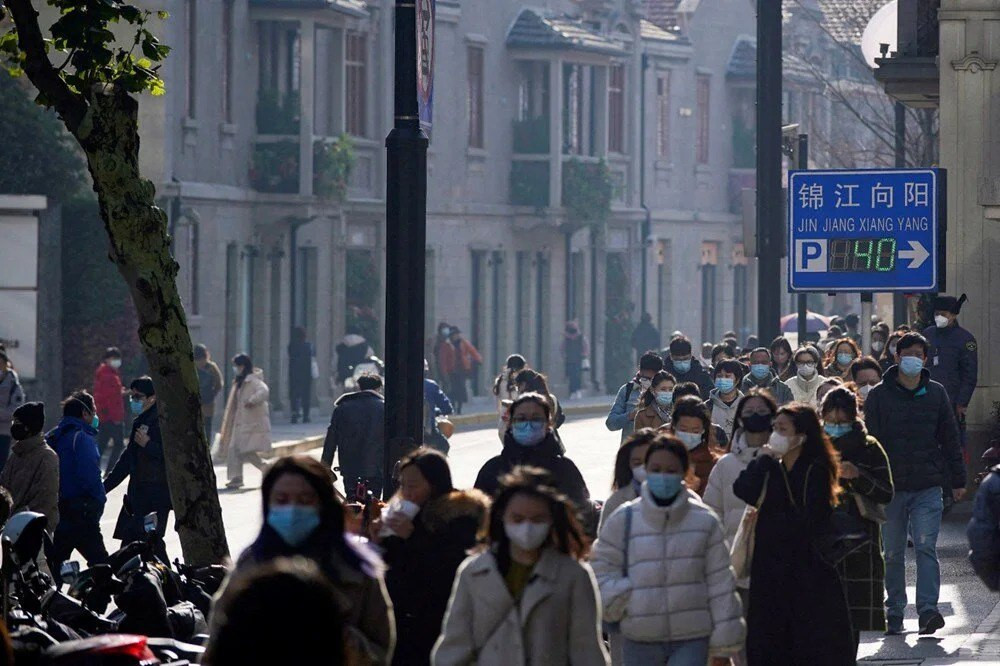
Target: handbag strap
{"type": "Point", "coordinates": [763, 493]}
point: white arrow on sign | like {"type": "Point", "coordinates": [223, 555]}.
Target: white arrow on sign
{"type": "Point", "coordinates": [917, 254]}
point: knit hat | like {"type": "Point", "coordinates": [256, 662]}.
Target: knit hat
{"type": "Point", "coordinates": [32, 416]}
{"type": "Point", "coordinates": [949, 303]}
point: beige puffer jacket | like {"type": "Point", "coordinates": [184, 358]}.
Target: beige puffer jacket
{"type": "Point", "coordinates": [680, 585]}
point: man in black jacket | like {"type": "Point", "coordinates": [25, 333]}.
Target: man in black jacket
{"type": "Point", "coordinates": [911, 415]}
{"type": "Point", "coordinates": [680, 363]}
{"type": "Point", "coordinates": [357, 429]}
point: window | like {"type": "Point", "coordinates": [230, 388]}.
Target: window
{"type": "Point", "coordinates": [227, 60]}
{"type": "Point", "coordinates": [709, 297]}
{"type": "Point", "coordinates": [704, 84]}
{"type": "Point", "coordinates": [475, 96]}
{"type": "Point", "coordinates": [663, 115]}
{"type": "Point", "coordinates": [616, 109]}
{"type": "Point", "coordinates": [355, 64]}
{"type": "Point", "coordinates": [573, 109]}
{"type": "Point", "coordinates": [192, 47]}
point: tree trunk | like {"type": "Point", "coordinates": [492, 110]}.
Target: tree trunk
{"type": "Point", "coordinates": [140, 247]}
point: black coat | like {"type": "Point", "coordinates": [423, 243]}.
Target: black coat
{"type": "Point", "coordinates": [798, 614]}
{"type": "Point", "coordinates": [697, 374]}
{"type": "Point", "coordinates": [863, 571]}
{"type": "Point", "coordinates": [422, 570]}
{"type": "Point", "coordinates": [953, 361]}
{"type": "Point", "coordinates": [919, 432]}
{"type": "Point", "coordinates": [300, 356]}
{"type": "Point", "coordinates": [984, 531]}
{"type": "Point", "coordinates": [549, 455]}
{"type": "Point", "coordinates": [146, 471]}
{"type": "Point", "coordinates": [356, 428]}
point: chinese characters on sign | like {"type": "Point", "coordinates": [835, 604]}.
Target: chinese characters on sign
{"type": "Point", "coordinates": [872, 230]}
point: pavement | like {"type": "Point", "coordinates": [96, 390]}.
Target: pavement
{"type": "Point", "coordinates": [972, 614]}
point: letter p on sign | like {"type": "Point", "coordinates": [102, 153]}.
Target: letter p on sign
{"type": "Point", "coordinates": [810, 256]}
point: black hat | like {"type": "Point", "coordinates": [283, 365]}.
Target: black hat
{"type": "Point", "coordinates": [949, 303]}
{"type": "Point", "coordinates": [32, 416]}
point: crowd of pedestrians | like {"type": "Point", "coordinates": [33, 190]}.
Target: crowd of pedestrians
{"type": "Point", "coordinates": [761, 502]}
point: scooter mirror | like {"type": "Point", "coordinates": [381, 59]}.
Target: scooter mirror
{"type": "Point", "coordinates": [150, 523]}
{"type": "Point", "coordinates": [69, 572]}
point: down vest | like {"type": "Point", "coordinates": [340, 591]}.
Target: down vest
{"type": "Point", "coordinates": [680, 584]}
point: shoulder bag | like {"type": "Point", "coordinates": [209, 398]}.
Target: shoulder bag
{"type": "Point", "coordinates": [741, 554]}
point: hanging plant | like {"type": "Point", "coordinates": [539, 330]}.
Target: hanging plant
{"type": "Point", "coordinates": [587, 189]}
{"type": "Point", "coordinates": [332, 164]}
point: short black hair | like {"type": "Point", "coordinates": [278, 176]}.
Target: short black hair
{"type": "Point", "coordinates": [651, 361]}
{"type": "Point", "coordinates": [731, 366]}
{"type": "Point", "coordinates": [852, 319]}
{"type": "Point", "coordinates": [912, 339]}
{"type": "Point", "coordinates": [143, 385]}
{"type": "Point", "coordinates": [671, 444]}
{"type": "Point", "coordinates": [77, 402]}
{"type": "Point", "coordinates": [369, 382]}
{"type": "Point", "coordinates": [200, 352]}
{"type": "Point", "coordinates": [680, 347]}
{"type": "Point", "coordinates": [864, 363]}
{"type": "Point", "coordinates": [516, 362]}
{"type": "Point", "coordinates": [686, 388]}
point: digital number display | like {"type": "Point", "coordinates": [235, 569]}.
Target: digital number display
{"type": "Point", "coordinates": [862, 255]}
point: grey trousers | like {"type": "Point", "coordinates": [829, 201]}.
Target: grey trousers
{"type": "Point", "coordinates": [235, 460]}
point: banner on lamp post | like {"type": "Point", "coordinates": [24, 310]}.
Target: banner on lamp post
{"type": "Point", "coordinates": [425, 63]}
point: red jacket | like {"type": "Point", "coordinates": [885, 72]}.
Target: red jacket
{"type": "Point", "coordinates": [108, 394]}
{"type": "Point", "coordinates": [452, 360]}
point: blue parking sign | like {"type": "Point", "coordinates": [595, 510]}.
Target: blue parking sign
{"type": "Point", "coordinates": [871, 230]}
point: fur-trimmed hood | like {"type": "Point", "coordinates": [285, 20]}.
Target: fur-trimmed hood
{"type": "Point", "coordinates": [458, 504]}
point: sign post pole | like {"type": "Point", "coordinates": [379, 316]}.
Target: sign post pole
{"type": "Point", "coordinates": [867, 299]}
{"type": "Point", "coordinates": [803, 303]}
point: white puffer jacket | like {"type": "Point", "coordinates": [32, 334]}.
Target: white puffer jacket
{"type": "Point", "coordinates": [803, 390]}
{"type": "Point", "coordinates": [719, 492]}
{"type": "Point", "coordinates": [680, 584]}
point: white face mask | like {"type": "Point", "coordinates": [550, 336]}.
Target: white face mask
{"type": "Point", "coordinates": [782, 444]}
{"type": "Point", "coordinates": [527, 535]}
{"type": "Point", "coordinates": [806, 370]}
{"type": "Point", "coordinates": [639, 473]}
{"type": "Point", "coordinates": [865, 390]}
{"type": "Point", "coordinates": [941, 321]}
{"type": "Point", "coordinates": [878, 346]}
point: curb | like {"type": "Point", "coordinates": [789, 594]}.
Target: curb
{"type": "Point", "coordinates": [307, 444]}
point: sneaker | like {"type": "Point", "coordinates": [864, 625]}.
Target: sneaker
{"type": "Point", "coordinates": [895, 626]}
{"type": "Point", "coordinates": [235, 484]}
{"type": "Point", "coordinates": [930, 621]}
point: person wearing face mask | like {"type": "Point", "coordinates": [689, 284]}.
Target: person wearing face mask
{"type": "Point", "coordinates": [656, 402]}
{"type": "Point", "coordinates": [879, 337]}
{"type": "Point", "coordinates": [726, 394]}
{"type": "Point", "coordinates": [691, 424]}
{"type": "Point", "coordinates": [423, 551]}
{"type": "Point", "coordinates": [528, 597]}
{"type": "Point", "coordinates": [304, 518]}
{"type": "Point", "coordinates": [108, 392]}
{"type": "Point", "coordinates": [622, 415]}
{"type": "Point", "coordinates": [529, 381]}
{"type": "Point", "coordinates": [798, 613]}
{"type": "Point", "coordinates": [839, 357]}
{"type": "Point", "coordinates": [685, 368]}
{"type": "Point", "coordinates": [865, 373]}
{"type": "Point", "coordinates": [246, 423]}
{"type": "Point", "coordinates": [888, 357]}
{"type": "Point", "coordinates": [31, 474]}
{"type": "Point", "coordinates": [782, 359]}
{"type": "Point", "coordinates": [912, 416]}
{"type": "Point", "coordinates": [867, 483]}
{"type": "Point", "coordinates": [144, 465]}
{"type": "Point", "coordinates": [458, 359]}
{"type": "Point", "coordinates": [530, 440]}
{"type": "Point", "coordinates": [954, 355]}
{"type": "Point", "coordinates": [808, 375]}
{"type": "Point", "coordinates": [662, 565]}
{"type": "Point", "coordinates": [762, 376]}
{"type": "Point", "coordinates": [81, 493]}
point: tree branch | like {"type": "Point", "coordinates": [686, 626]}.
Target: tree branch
{"type": "Point", "coordinates": [70, 106]}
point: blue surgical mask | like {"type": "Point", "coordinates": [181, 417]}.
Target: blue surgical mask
{"type": "Point", "coordinates": [664, 486]}
{"type": "Point", "coordinates": [95, 422]}
{"type": "Point", "coordinates": [836, 430]}
{"type": "Point", "coordinates": [725, 384]}
{"type": "Point", "coordinates": [844, 360]}
{"type": "Point", "coordinates": [135, 406]}
{"type": "Point", "coordinates": [760, 370]}
{"type": "Point", "coordinates": [665, 398]}
{"type": "Point", "coordinates": [528, 433]}
{"type": "Point", "coordinates": [911, 365]}
{"type": "Point", "coordinates": [293, 522]}
{"type": "Point", "coordinates": [682, 367]}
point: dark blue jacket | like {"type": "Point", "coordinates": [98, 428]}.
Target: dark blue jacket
{"type": "Point", "coordinates": [918, 431]}
{"type": "Point", "coordinates": [953, 361]}
{"type": "Point", "coordinates": [356, 432]}
{"type": "Point", "coordinates": [79, 460]}
{"type": "Point", "coordinates": [436, 398]}
{"type": "Point", "coordinates": [984, 531]}
{"type": "Point", "coordinates": [697, 374]}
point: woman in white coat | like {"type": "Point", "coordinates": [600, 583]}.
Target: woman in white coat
{"type": "Point", "coordinates": [246, 426]}
{"type": "Point", "coordinates": [663, 569]}
{"type": "Point", "coordinates": [808, 375]}
{"type": "Point", "coordinates": [527, 599]}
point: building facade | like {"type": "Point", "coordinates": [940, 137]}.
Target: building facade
{"type": "Point", "coordinates": [247, 153]}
